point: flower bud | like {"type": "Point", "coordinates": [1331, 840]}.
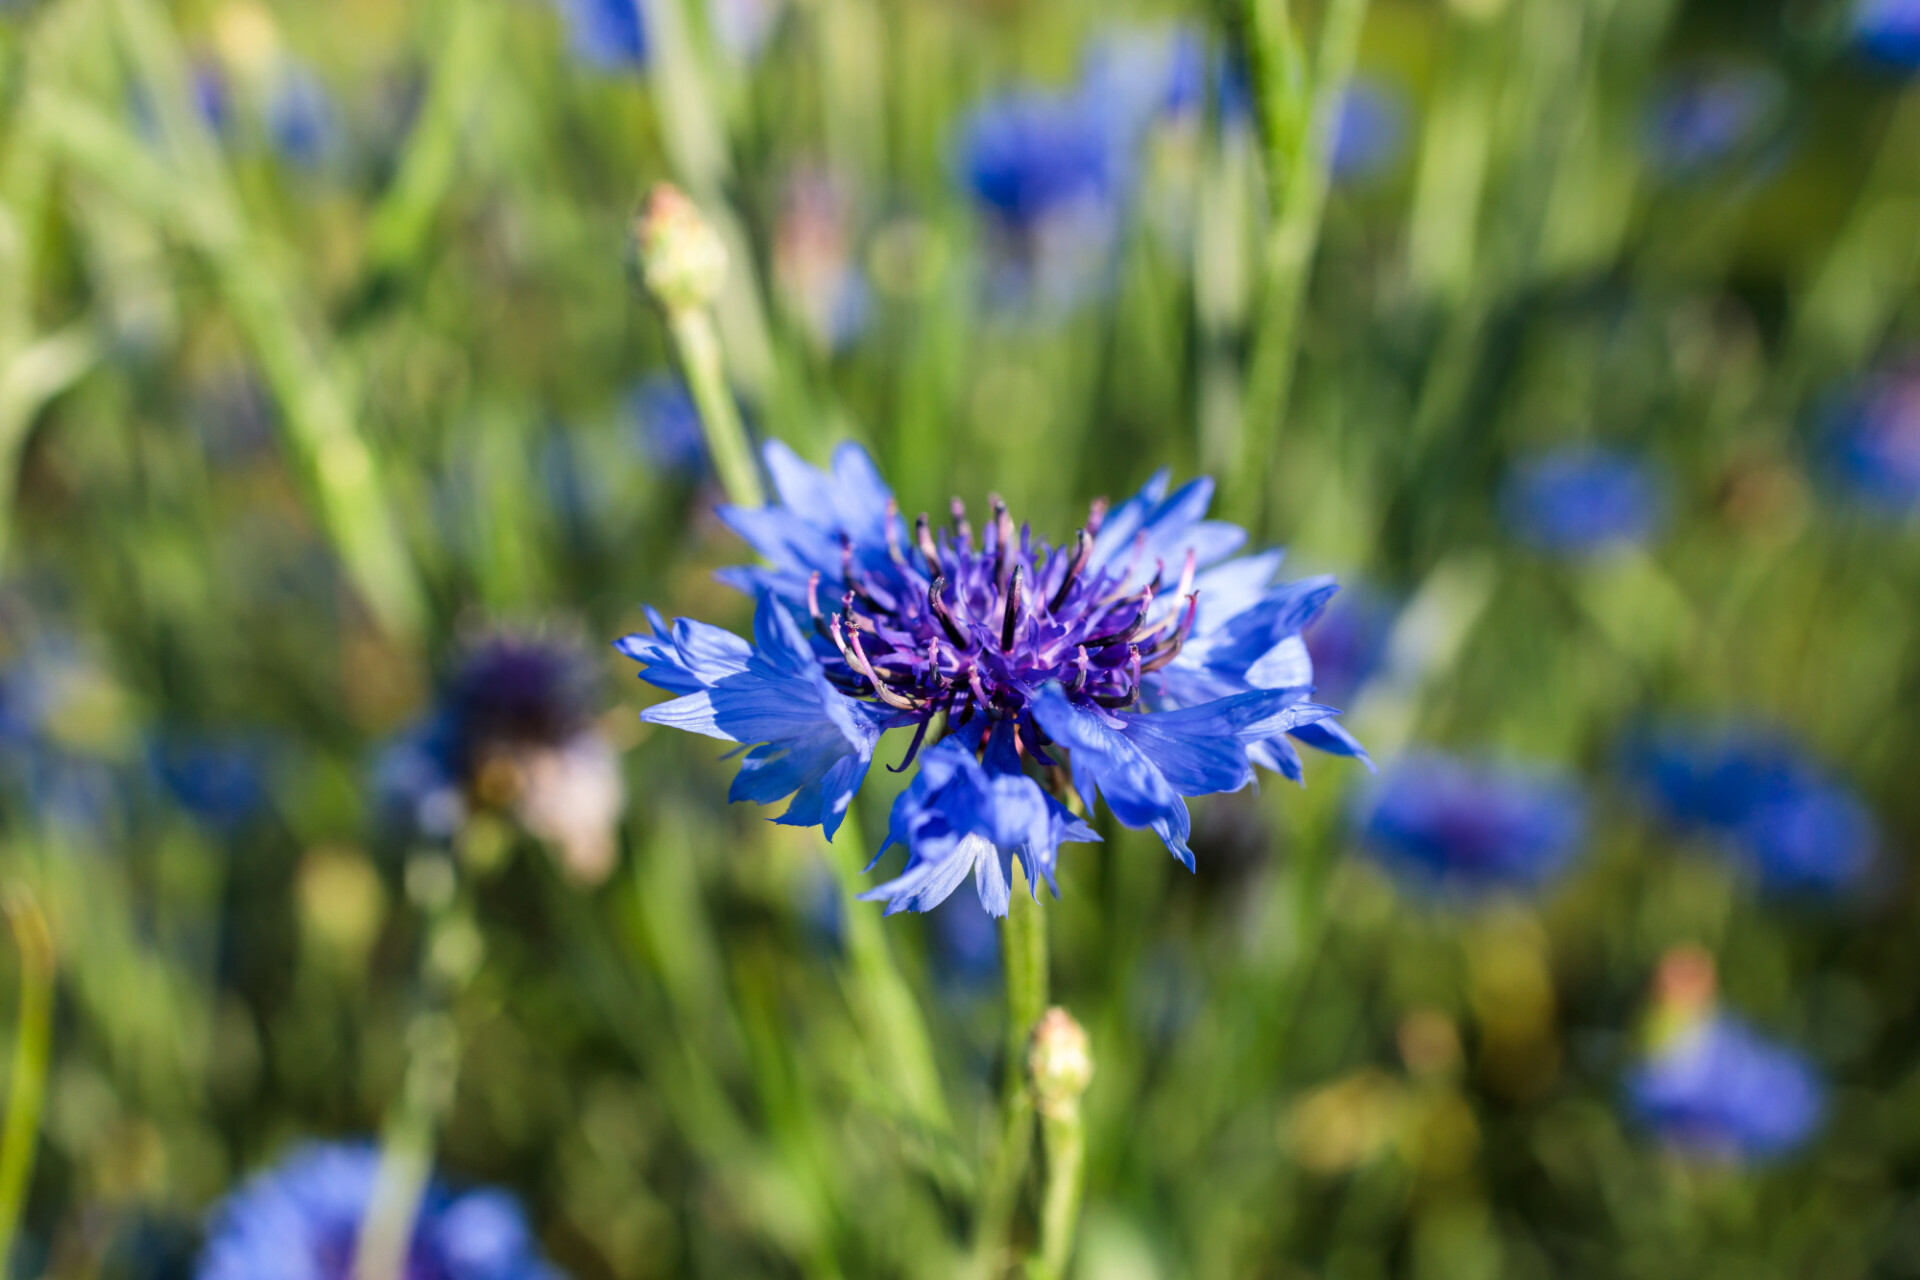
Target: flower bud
{"type": "Point", "coordinates": [682, 258]}
{"type": "Point", "coordinates": [1061, 1064]}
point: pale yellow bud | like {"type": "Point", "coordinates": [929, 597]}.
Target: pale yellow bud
{"type": "Point", "coordinates": [682, 258]}
{"type": "Point", "coordinates": [1060, 1062]}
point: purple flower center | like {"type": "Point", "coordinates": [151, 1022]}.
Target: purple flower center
{"type": "Point", "coordinates": [970, 626]}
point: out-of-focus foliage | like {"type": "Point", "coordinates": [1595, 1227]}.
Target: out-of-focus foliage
{"type": "Point", "coordinates": [338, 441]}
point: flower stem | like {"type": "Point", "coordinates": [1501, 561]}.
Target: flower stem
{"type": "Point", "coordinates": [1065, 1140]}
{"type": "Point", "coordinates": [700, 358]}
{"type": "Point", "coordinates": [890, 1017]}
{"type": "Point", "coordinates": [32, 1044]}
{"type": "Point", "coordinates": [1023, 956]}
{"type": "Point", "coordinates": [1298, 168]}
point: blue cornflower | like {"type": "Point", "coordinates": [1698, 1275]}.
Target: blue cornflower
{"type": "Point", "coordinates": [1370, 133]}
{"type": "Point", "coordinates": [1145, 660]}
{"type": "Point", "coordinates": [222, 779]}
{"type": "Point", "coordinates": [513, 729]}
{"type": "Point", "coordinates": [300, 116]}
{"type": "Point", "coordinates": [1349, 642]}
{"type": "Point", "coordinates": [1033, 152]}
{"type": "Point", "coordinates": [1761, 797]}
{"type": "Point", "coordinates": [1459, 824]}
{"type": "Point", "coordinates": [1718, 1089]}
{"type": "Point", "coordinates": [1583, 500]}
{"type": "Point", "coordinates": [667, 425]}
{"type": "Point", "coordinates": [1705, 118]}
{"type": "Point", "coordinates": [1874, 441]}
{"type": "Point", "coordinates": [301, 1221]}
{"type": "Point", "coordinates": [1888, 30]}
{"type": "Point", "coordinates": [608, 34]}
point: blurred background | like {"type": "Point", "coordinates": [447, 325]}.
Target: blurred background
{"type": "Point", "coordinates": [1579, 338]}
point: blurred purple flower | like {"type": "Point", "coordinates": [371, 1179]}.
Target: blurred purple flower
{"type": "Point", "coordinates": [1349, 642]}
{"type": "Point", "coordinates": [1758, 794]}
{"type": "Point", "coordinates": [1582, 500]}
{"type": "Point", "coordinates": [1873, 441]}
{"type": "Point", "coordinates": [1716, 1089]}
{"type": "Point", "coordinates": [301, 1221]}
{"type": "Point", "coordinates": [513, 729]}
{"type": "Point", "coordinates": [301, 119]}
{"type": "Point", "coordinates": [1457, 824]}
{"type": "Point", "coordinates": [610, 35]}
{"type": "Point", "coordinates": [1704, 118]}
{"type": "Point", "coordinates": [667, 426]}
{"type": "Point", "coordinates": [1370, 136]}
{"type": "Point", "coordinates": [1889, 31]}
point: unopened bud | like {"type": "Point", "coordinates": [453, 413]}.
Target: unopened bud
{"type": "Point", "coordinates": [682, 258]}
{"type": "Point", "coordinates": [1061, 1064]}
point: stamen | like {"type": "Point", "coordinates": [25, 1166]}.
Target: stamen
{"type": "Point", "coordinates": [960, 525]}
{"type": "Point", "coordinates": [939, 607]}
{"type": "Point", "coordinates": [923, 536]}
{"type": "Point", "coordinates": [1011, 622]}
{"type": "Point", "coordinates": [857, 658]}
{"type": "Point", "coordinates": [1096, 515]}
{"type": "Point", "coordinates": [1083, 666]}
{"type": "Point", "coordinates": [1082, 552]}
{"type": "Point", "coordinates": [913, 748]}
{"type": "Point", "coordinates": [813, 597]}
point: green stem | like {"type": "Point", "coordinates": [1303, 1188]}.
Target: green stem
{"type": "Point", "coordinates": [884, 1003]}
{"type": "Point", "coordinates": [1296, 213]}
{"type": "Point", "coordinates": [705, 369]}
{"type": "Point", "coordinates": [32, 1043]}
{"type": "Point", "coordinates": [1065, 1140]}
{"type": "Point", "coordinates": [1023, 955]}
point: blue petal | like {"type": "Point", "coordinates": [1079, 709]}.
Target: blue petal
{"type": "Point", "coordinates": [1105, 763]}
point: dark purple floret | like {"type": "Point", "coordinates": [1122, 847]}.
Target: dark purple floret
{"type": "Point", "coordinates": [971, 626]}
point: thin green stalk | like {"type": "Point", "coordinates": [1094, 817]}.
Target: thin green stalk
{"type": "Point", "coordinates": [700, 359]}
{"type": "Point", "coordinates": [32, 1045]}
{"type": "Point", "coordinates": [451, 957]}
{"type": "Point", "coordinates": [1294, 230]}
{"type": "Point", "coordinates": [191, 195]}
{"type": "Point", "coordinates": [884, 1003]}
{"type": "Point", "coordinates": [1023, 956]}
{"type": "Point", "coordinates": [1065, 1141]}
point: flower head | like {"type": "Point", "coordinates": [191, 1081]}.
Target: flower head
{"type": "Point", "coordinates": [1142, 659]}
{"type": "Point", "coordinates": [608, 34]}
{"type": "Point", "coordinates": [1582, 501]}
{"type": "Point", "coordinates": [1889, 31]}
{"type": "Point", "coordinates": [301, 1221]}
{"type": "Point", "coordinates": [667, 425]}
{"type": "Point", "coordinates": [1874, 441]}
{"type": "Point", "coordinates": [1763, 799]}
{"type": "Point", "coordinates": [1474, 826]}
{"type": "Point", "coordinates": [1715, 1088]}
{"type": "Point", "coordinates": [513, 729]}
{"type": "Point", "coordinates": [1706, 118]}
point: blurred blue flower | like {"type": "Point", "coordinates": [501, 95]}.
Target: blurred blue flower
{"type": "Point", "coordinates": [1873, 441]}
{"type": "Point", "coordinates": [1582, 500]}
{"type": "Point", "coordinates": [966, 944]}
{"type": "Point", "coordinates": [61, 736]}
{"type": "Point", "coordinates": [608, 34]}
{"type": "Point", "coordinates": [1026, 651]}
{"type": "Point", "coordinates": [222, 779]}
{"type": "Point", "coordinates": [1706, 117]}
{"type": "Point", "coordinates": [667, 426]}
{"type": "Point", "coordinates": [1760, 796]}
{"type": "Point", "coordinates": [301, 121]}
{"type": "Point", "coordinates": [513, 729]}
{"type": "Point", "coordinates": [1370, 136]}
{"type": "Point", "coordinates": [1717, 1089]}
{"type": "Point", "coordinates": [301, 1221]}
{"type": "Point", "coordinates": [1031, 153]}
{"type": "Point", "coordinates": [1469, 825]}
{"type": "Point", "coordinates": [1888, 30]}
{"type": "Point", "coordinates": [1349, 642]}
